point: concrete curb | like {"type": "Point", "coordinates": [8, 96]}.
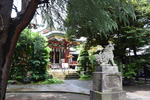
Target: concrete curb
{"type": "Point", "coordinates": [48, 92]}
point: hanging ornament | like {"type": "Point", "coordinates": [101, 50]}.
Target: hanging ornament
{"type": "Point", "coordinates": [29, 26]}
{"type": "Point", "coordinates": [34, 26]}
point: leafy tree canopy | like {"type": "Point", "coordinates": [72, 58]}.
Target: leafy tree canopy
{"type": "Point", "coordinates": [136, 34]}
{"type": "Point", "coordinates": [53, 14]}
{"type": "Point", "coordinates": [90, 18]}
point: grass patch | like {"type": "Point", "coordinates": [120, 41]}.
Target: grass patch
{"type": "Point", "coordinates": [140, 82]}
{"type": "Point", "coordinates": [85, 77]}
{"type": "Point", "coordinates": [51, 81]}
{"type": "Point", "coordinates": [48, 81]}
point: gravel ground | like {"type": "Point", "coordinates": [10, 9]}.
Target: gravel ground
{"type": "Point", "coordinates": [138, 90]}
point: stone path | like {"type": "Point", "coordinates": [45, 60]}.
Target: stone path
{"type": "Point", "coordinates": [57, 91]}
{"type": "Point", "coordinates": [46, 96]}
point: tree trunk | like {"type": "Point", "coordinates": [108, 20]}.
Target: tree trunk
{"type": "Point", "coordinates": [136, 56]}
{"type": "Point", "coordinates": [134, 51]}
{"type": "Point", "coordinates": [10, 30]}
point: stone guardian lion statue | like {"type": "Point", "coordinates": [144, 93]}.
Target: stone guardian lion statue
{"type": "Point", "coordinates": [107, 56]}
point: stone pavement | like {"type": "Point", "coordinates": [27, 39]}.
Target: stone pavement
{"type": "Point", "coordinates": [46, 96]}
{"type": "Point", "coordinates": [70, 90]}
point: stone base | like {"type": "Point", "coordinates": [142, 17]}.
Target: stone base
{"type": "Point", "coordinates": [95, 95]}
{"type": "Point", "coordinates": [107, 82]}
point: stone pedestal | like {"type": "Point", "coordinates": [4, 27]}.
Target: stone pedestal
{"type": "Point", "coordinates": [95, 95]}
{"type": "Point", "coordinates": [107, 84]}
{"type": "Point", "coordinates": [107, 68]}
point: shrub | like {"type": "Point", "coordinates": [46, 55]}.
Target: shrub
{"type": "Point", "coordinates": [31, 57]}
{"type": "Point", "coordinates": [84, 62]}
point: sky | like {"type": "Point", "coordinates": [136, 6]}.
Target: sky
{"type": "Point", "coordinates": [17, 3]}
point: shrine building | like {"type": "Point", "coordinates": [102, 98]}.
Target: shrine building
{"type": "Point", "coordinates": [63, 53]}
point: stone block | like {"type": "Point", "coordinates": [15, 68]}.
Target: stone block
{"type": "Point", "coordinates": [107, 68]}
{"type": "Point", "coordinates": [107, 82]}
{"type": "Point", "coordinates": [95, 95]}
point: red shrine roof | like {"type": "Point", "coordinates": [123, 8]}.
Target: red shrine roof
{"type": "Point", "coordinates": [58, 39]}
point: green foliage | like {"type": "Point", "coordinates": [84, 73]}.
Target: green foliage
{"type": "Point", "coordinates": [84, 61]}
{"type": "Point", "coordinates": [31, 57]}
{"type": "Point", "coordinates": [93, 61]}
{"type": "Point", "coordinates": [90, 18]}
{"type": "Point", "coordinates": [85, 77]}
{"type": "Point", "coordinates": [140, 82]}
{"type": "Point", "coordinates": [52, 81]}
{"type": "Point", "coordinates": [139, 64]}
{"type": "Point", "coordinates": [133, 36]}
{"type": "Point", "coordinates": [52, 13]}
{"type": "Point", "coordinates": [128, 72]}
{"type": "Point", "coordinates": [133, 68]}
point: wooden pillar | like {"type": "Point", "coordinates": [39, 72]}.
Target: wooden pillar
{"type": "Point", "coordinates": [60, 56]}
{"type": "Point", "coordinates": [54, 56]}
{"type": "Point", "coordinates": [66, 54]}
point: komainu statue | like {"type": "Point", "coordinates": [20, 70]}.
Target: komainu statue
{"type": "Point", "coordinates": [106, 56]}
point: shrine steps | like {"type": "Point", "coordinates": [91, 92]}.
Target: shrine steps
{"type": "Point", "coordinates": [64, 73]}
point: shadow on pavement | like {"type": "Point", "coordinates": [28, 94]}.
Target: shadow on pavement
{"type": "Point", "coordinates": [46, 96]}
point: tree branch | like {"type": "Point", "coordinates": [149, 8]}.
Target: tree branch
{"type": "Point", "coordinates": [25, 3]}
{"type": "Point", "coordinates": [21, 22]}
{"type": "Point", "coordinates": [28, 10]}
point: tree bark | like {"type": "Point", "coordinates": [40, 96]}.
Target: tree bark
{"type": "Point", "coordinates": [135, 57]}
{"type": "Point", "coordinates": [10, 30]}
{"type": "Point", "coordinates": [134, 51]}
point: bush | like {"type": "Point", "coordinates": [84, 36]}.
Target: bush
{"type": "Point", "coordinates": [84, 62]}
{"type": "Point", "coordinates": [31, 57]}
{"type": "Point", "coordinates": [127, 71]}
{"type": "Point", "coordinates": [131, 70]}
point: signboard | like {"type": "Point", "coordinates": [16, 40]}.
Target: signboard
{"type": "Point", "coordinates": [65, 65]}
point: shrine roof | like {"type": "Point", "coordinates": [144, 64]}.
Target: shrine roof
{"type": "Point", "coordinates": [59, 36]}
{"type": "Point", "coordinates": [55, 34]}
